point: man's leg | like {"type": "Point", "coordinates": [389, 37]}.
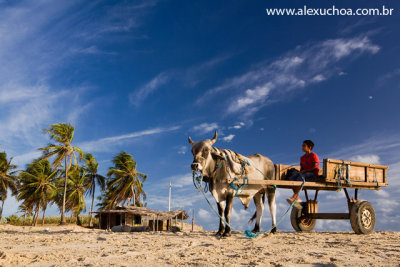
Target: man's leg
{"type": "Point", "coordinates": [296, 191]}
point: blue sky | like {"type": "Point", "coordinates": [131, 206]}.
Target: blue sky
{"type": "Point", "coordinates": [141, 76]}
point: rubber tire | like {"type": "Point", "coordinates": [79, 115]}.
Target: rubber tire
{"type": "Point", "coordinates": [356, 217]}
{"type": "Point", "coordinates": [300, 223]}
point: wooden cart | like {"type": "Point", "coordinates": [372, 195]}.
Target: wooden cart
{"type": "Point", "coordinates": [335, 176]}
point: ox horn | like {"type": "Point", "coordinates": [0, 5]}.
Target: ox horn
{"type": "Point", "coordinates": [190, 141]}
{"type": "Point", "coordinates": [214, 139]}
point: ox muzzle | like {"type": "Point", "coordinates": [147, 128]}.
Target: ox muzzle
{"type": "Point", "coordinates": [195, 166]}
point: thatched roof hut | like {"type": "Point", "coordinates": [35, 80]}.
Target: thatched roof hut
{"type": "Point", "coordinates": [126, 215]}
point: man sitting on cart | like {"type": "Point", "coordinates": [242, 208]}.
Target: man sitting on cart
{"type": "Point", "coordinates": [309, 167]}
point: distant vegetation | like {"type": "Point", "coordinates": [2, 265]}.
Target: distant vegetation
{"type": "Point", "coordinates": [53, 220]}
{"type": "Point", "coordinates": [71, 176]}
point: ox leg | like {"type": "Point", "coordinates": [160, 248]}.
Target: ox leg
{"type": "Point", "coordinates": [272, 207]}
{"type": "Point", "coordinates": [228, 210]}
{"type": "Point", "coordinates": [259, 202]}
{"type": "Point", "coordinates": [221, 223]}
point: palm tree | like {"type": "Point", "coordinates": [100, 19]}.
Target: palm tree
{"type": "Point", "coordinates": [91, 167]}
{"type": "Point", "coordinates": [63, 134]}
{"type": "Point", "coordinates": [7, 179]}
{"type": "Point", "coordinates": [77, 187]}
{"type": "Point", "coordinates": [37, 187]}
{"type": "Point", "coordinates": [125, 182]}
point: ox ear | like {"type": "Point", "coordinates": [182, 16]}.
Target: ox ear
{"type": "Point", "coordinates": [214, 139]}
{"type": "Point", "coordinates": [190, 141]}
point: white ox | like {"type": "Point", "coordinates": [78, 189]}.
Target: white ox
{"type": "Point", "coordinates": [220, 166]}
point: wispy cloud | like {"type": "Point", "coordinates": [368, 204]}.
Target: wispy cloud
{"type": "Point", "coordinates": [137, 97]}
{"type": "Point", "coordinates": [93, 50]}
{"type": "Point", "coordinates": [371, 159]}
{"type": "Point", "coordinates": [105, 144]}
{"type": "Point", "coordinates": [205, 127]}
{"type": "Point", "coordinates": [189, 77]}
{"type": "Point", "coordinates": [228, 138]}
{"type": "Point", "coordinates": [182, 149]}
{"type": "Point", "coordinates": [268, 82]}
{"type": "Point", "coordinates": [389, 76]}
{"type": "Point", "coordinates": [237, 126]}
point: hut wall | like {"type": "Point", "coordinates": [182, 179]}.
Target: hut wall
{"type": "Point", "coordinates": [160, 225]}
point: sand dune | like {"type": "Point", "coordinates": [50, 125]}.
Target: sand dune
{"type": "Point", "coordinates": [59, 246]}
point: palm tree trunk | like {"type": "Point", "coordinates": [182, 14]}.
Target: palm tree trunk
{"type": "Point", "coordinates": [78, 221]}
{"type": "Point", "coordinates": [33, 218]}
{"type": "Point", "coordinates": [63, 220]}
{"type": "Point", "coordinates": [26, 211]}
{"type": "Point", "coordinates": [91, 209]}
{"type": "Point", "coordinates": [44, 211]}
{"type": "Point", "coordinates": [37, 214]}
{"type": "Point", "coordinates": [133, 196]}
{"type": "Point", "coordinates": [2, 207]}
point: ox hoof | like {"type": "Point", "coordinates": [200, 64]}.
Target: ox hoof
{"type": "Point", "coordinates": [256, 230]}
{"type": "Point", "coordinates": [274, 230]}
{"type": "Point", "coordinates": [226, 234]}
{"type": "Point", "coordinates": [219, 234]}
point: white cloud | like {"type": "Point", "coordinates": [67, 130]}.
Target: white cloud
{"type": "Point", "coordinates": [371, 159]}
{"type": "Point", "coordinates": [237, 126]}
{"type": "Point", "coordinates": [228, 138]}
{"type": "Point", "coordinates": [180, 181]}
{"type": "Point", "coordinates": [93, 50]}
{"type": "Point", "coordinates": [204, 215]}
{"type": "Point", "coordinates": [26, 158]}
{"type": "Point", "coordinates": [182, 150]}
{"type": "Point", "coordinates": [104, 144]}
{"type": "Point", "coordinates": [269, 82]}
{"type": "Point", "coordinates": [318, 78]}
{"type": "Point", "coordinates": [205, 127]}
{"type": "Point", "coordinates": [137, 97]}
{"type": "Point", "coordinates": [251, 96]}
{"type": "Point", "coordinates": [189, 77]}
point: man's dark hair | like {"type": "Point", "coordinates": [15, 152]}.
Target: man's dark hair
{"type": "Point", "coordinates": [309, 143]}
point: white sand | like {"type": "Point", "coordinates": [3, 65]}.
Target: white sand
{"type": "Point", "coordinates": [21, 246]}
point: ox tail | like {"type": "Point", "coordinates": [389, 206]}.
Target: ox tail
{"type": "Point", "coordinates": [255, 213]}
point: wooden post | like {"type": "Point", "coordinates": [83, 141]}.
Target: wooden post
{"type": "Point", "coordinates": [182, 221]}
{"type": "Point", "coordinates": [154, 221]}
{"type": "Point", "coordinates": [108, 221]}
{"type": "Point", "coordinates": [169, 197]}
{"type": "Point", "coordinates": [193, 220]}
{"type": "Point", "coordinates": [157, 224]}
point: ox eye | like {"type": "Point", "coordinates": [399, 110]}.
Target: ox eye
{"type": "Point", "coordinates": [205, 152]}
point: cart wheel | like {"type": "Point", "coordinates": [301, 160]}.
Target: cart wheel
{"type": "Point", "coordinates": [362, 217]}
{"type": "Point", "coordinates": [300, 221]}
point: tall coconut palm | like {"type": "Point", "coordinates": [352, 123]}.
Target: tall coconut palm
{"type": "Point", "coordinates": [77, 187]}
{"type": "Point", "coordinates": [37, 186]}
{"type": "Point", "coordinates": [125, 183]}
{"type": "Point", "coordinates": [63, 134]}
{"type": "Point", "coordinates": [93, 177]}
{"type": "Point", "coordinates": [7, 179]}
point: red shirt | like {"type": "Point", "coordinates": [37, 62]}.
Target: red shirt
{"type": "Point", "coordinates": [307, 162]}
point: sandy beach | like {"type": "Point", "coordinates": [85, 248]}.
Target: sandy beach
{"type": "Point", "coordinates": [66, 245]}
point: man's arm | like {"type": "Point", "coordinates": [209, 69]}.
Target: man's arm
{"type": "Point", "coordinates": [310, 170]}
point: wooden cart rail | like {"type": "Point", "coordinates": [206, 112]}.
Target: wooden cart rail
{"type": "Point", "coordinates": [314, 185]}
